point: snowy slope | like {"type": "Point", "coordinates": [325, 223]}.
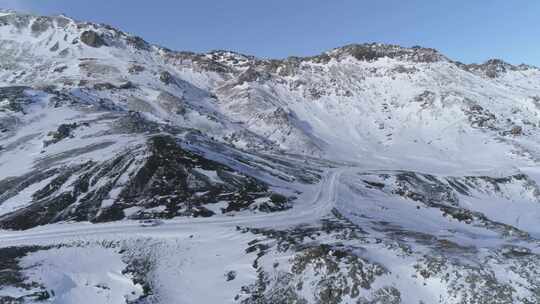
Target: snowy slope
{"type": "Point", "coordinates": [131, 173]}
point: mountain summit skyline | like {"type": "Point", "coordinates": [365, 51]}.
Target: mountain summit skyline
{"type": "Point", "coordinates": [489, 60]}
{"type": "Point", "coordinates": [466, 31]}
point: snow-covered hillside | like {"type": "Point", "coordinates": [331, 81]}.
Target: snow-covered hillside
{"type": "Point", "coordinates": [131, 173]}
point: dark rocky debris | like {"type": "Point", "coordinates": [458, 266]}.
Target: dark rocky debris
{"type": "Point", "coordinates": [92, 39]}
{"type": "Point", "coordinates": [164, 181]}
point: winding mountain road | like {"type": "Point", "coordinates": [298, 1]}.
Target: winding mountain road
{"type": "Point", "coordinates": [308, 211]}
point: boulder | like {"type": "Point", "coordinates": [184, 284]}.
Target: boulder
{"type": "Point", "coordinates": [166, 78]}
{"type": "Point", "coordinates": [516, 131]}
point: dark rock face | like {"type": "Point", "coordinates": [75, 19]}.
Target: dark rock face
{"type": "Point", "coordinates": [163, 181]}
{"type": "Point", "coordinates": [493, 68]}
{"type": "Point", "coordinates": [16, 97]}
{"type": "Point", "coordinates": [424, 188]}
{"type": "Point", "coordinates": [40, 25]}
{"type": "Point", "coordinates": [138, 43]}
{"type": "Point", "coordinates": [64, 131]}
{"type": "Point", "coordinates": [481, 118]}
{"type": "Point", "coordinates": [199, 61]}
{"type": "Point", "coordinates": [370, 52]}
{"type": "Point", "coordinates": [166, 78]}
{"type": "Point", "coordinates": [92, 39]}
{"type": "Point", "coordinates": [175, 178]}
{"type": "Point", "coordinates": [252, 75]}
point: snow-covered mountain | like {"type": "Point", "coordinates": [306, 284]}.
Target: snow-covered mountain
{"type": "Point", "coordinates": [131, 173]}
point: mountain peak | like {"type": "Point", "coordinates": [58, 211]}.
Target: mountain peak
{"type": "Point", "coordinates": [494, 68]}
{"type": "Point", "coordinates": [373, 51]}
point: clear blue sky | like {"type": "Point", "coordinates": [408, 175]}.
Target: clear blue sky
{"type": "Point", "coordinates": [465, 30]}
